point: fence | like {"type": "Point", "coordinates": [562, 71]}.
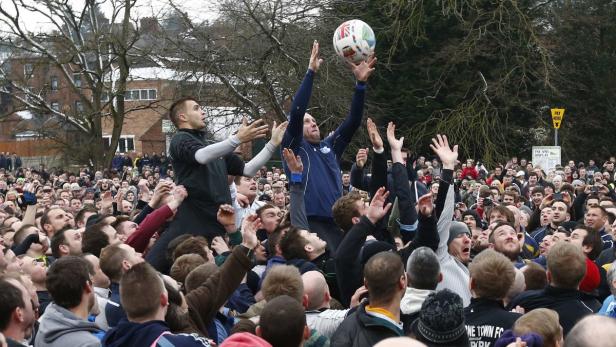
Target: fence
{"type": "Point", "coordinates": [30, 148]}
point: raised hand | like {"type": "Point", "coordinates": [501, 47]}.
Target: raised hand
{"type": "Point", "coordinates": [255, 130]}
{"type": "Point", "coordinates": [226, 217]}
{"type": "Point", "coordinates": [242, 200]}
{"type": "Point", "coordinates": [395, 144]}
{"type": "Point", "coordinates": [250, 225]}
{"type": "Point", "coordinates": [361, 158]}
{"type": "Point", "coordinates": [448, 155]}
{"type": "Point", "coordinates": [362, 70]}
{"type": "Point", "coordinates": [294, 163]}
{"type": "Point", "coordinates": [219, 245]}
{"type": "Point", "coordinates": [179, 193]}
{"type": "Point", "coordinates": [278, 133]}
{"type": "Point", "coordinates": [106, 202]}
{"type": "Point", "coordinates": [377, 209]}
{"type": "Point", "coordinates": [375, 137]}
{"type": "Point", "coordinates": [162, 189]}
{"type": "Point", "coordinates": [425, 205]}
{"type": "Point", "coordinates": [315, 61]}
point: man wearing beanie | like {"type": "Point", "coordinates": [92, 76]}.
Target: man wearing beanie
{"type": "Point", "coordinates": [244, 340]}
{"type": "Point", "coordinates": [459, 242]}
{"type": "Point", "coordinates": [492, 274]}
{"type": "Point", "coordinates": [441, 321]}
{"type": "Point", "coordinates": [379, 319]}
{"type": "Point", "coordinates": [455, 273]}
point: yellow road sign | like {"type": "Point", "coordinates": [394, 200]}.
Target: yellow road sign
{"type": "Point", "coordinates": [557, 117]}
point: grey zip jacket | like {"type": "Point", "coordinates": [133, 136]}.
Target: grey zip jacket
{"type": "Point", "coordinates": [59, 327]}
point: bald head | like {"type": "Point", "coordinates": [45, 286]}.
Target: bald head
{"type": "Point", "coordinates": [315, 287]}
{"type": "Point", "coordinates": [399, 342]}
{"type": "Point", "coordinates": [595, 331]}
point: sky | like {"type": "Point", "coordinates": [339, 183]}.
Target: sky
{"type": "Point", "coordinates": [196, 9]}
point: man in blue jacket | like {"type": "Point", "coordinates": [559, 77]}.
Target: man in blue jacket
{"type": "Point", "coordinates": [321, 158]}
{"type": "Point", "coordinates": [146, 301]}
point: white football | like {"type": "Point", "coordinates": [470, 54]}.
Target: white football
{"type": "Point", "coordinates": [354, 39]}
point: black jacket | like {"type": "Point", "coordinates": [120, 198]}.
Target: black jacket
{"type": "Point", "coordinates": [486, 320]}
{"type": "Point", "coordinates": [361, 329]}
{"type": "Point", "coordinates": [348, 265]}
{"type": "Point", "coordinates": [568, 303]}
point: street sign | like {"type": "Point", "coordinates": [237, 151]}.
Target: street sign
{"type": "Point", "coordinates": [557, 117]}
{"type": "Point", "coordinates": [167, 126]}
{"type": "Point", "coordinates": [546, 157]}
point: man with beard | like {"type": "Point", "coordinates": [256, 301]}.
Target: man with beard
{"type": "Point", "coordinates": [322, 157]}
{"type": "Point", "coordinates": [504, 239]}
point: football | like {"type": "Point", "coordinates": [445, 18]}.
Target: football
{"type": "Point", "coordinates": [354, 39]}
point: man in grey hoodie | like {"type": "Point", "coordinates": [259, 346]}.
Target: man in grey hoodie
{"type": "Point", "coordinates": [423, 272]}
{"type": "Point", "coordinates": [65, 322]}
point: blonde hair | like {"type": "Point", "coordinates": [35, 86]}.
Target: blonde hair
{"type": "Point", "coordinates": [283, 280]}
{"type": "Point", "coordinates": [492, 273]}
{"type": "Point", "coordinates": [541, 321]}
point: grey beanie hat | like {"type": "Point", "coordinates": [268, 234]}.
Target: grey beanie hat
{"type": "Point", "coordinates": [456, 229]}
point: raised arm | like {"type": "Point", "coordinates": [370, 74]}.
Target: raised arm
{"type": "Point", "coordinates": [344, 133]}
{"type": "Point", "coordinates": [251, 168]}
{"type": "Point", "coordinates": [448, 157]}
{"type": "Point", "coordinates": [408, 214]}
{"type": "Point", "coordinates": [358, 179]}
{"type": "Point", "coordinates": [295, 132]}
{"type": "Point", "coordinates": [140, 239]}
{"type": "Point", "coordinates": [348, 268]}
{"type": "Point", "coordinates": [298, 208]}
{"type": "Point", "coordinates": [427, 234]}
{"type": "Point", "coordinates": [247, 132]}
{"type": "Point", "coordinates": [378, 177]}
{"type": "Point", "coordinates": [218, 288]}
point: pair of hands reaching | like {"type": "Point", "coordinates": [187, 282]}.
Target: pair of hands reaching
{"type": "Point", "coordinates": [362, 70]}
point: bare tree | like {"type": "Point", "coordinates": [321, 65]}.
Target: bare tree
{"type": "Point", "coordinates": [91, 54]}
{"type": "Point", "coordinates": [254, 54]}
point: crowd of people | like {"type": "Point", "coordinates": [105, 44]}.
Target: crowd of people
{"type": "Point", "coordinates": [406, 249]}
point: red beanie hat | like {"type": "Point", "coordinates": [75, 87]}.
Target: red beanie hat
{"type": "Point", "coordinates": [244, 340]}
{"type": "Point", "coordinates": [592, 279]}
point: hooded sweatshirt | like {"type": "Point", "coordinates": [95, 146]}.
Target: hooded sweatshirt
{"type": "Point", "coordinates": [60, 327]}
{"type": "Point", "coordinates": [129, 334]}
{"type": "Point", "coordinates": [410, 305]}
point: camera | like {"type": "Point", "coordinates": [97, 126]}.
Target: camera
{"type": "Point", "coordinates": [487, 202]}
{"type": "Point", "coordinates": [558, 197]}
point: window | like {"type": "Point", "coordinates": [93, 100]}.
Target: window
{"type": "Point", "coordinates": [28, 70]}
{"type": "Point", "coordinates": [55, 106]}
{"type": "Point", "coordinates": [78, 106]}
{"type": "Point", "coordinates": [77, 80]}
{"type": "Point", "coordinates": [140, 94]}
{"type": "Point", "coordinates": [126, 143]}
{"type": "Point", "coordinates": [54, 83]}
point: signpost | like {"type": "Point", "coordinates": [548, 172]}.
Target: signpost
{"type": "Point", "coordinates": [546, 157]}
{"type": "Point", "coordinates": [557, 117]}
